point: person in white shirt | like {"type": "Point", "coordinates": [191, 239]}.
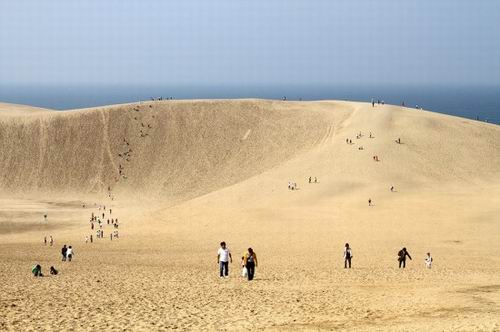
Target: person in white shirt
{"type": "Point", "coordinates": [223, 259]}
{"type": "Point", "coordinates": [70, 253]}
{"type": "Point", "coordinates": [428, 260]}
{"type": "Point", "coordinates": [347, 256]}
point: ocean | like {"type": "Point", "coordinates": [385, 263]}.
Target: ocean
{"type": "Point", "coordinates": [480, 103]}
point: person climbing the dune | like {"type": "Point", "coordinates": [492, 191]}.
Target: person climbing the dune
{"type": "Point", "coordinates": [347, 256]}
{"type": "Point", "coordinates": [402, 254]}
{"type": "Point", "coordinates": [223, 258]}
{"type": "Point", "coordinates": [250, 263]}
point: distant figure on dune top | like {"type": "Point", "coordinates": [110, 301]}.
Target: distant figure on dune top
{"type": "Point", "coordinates": [250, 263]}
{"type": "Point", "coordinates": [223, 258]}
{"type": "Point", "coordinates": [402, 254]}
{"type": "Point", "coordinates": [347, 256]}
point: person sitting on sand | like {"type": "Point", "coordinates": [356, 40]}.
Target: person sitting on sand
{"type": "Point", "coordinates": [223, 259]}
{"type": "Point", "coordinates": [37, 270]}
{"type": "Point", "coordinates": [250, 263]}
{"type": "Point", "coordinates": [347, 256]}
{"type": "Point", "coordinates": [428, 260]}
{"type": "Point", "coordinates": [70, 253]}
{"type": "Point", "coordinates": [53, 271]}
{"type": "Point", "coordinates": [402, 257]}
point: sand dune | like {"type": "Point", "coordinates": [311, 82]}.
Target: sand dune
{"type": "Point", "coordinates": [184, 175]}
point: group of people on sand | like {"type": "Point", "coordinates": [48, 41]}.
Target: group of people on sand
{"type": "Point", "coordinates": [100, 223]}
{"type": "Point", "coordinates": [67, 253]}
{"type": "Point", "coordinates": [402, 255]}
{"type": "Point", "coordinates": [37, 270]}
{"type": "Point", "coordinates": [50, 241]}
{"type": "Point", "coordinates": [248, 262]}
{"type": "Point", "coordinates": [311, 180]}
{"type": "Point", "coordinates": [378, 102]}
{"type": "Point", "coordinates": [292, 185]}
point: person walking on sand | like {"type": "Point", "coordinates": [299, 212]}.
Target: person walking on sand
{"type": "Point", "coordinates": [310, 179]}
{"type": "Point", "coordinates": [369, 202]}
{"type": "Point", "coordinates": [64, 251]}
{"type": "Point", "coordinates": [70, 253]}
{"type": "Point", "coordinates": [250, 263]}
{"type": "Point", "coordinates": [223, 258]}
{"type": "Point", "coordinates": [428, 260]}
{"type": "Point", "coordinates": [392, 188]}
{"type": "Point", "coordinates": [45, 240]}
{"type": "Point", "coordinates": [51, 241]}
{"type": "Point", "coordinates": [402, 257]}
{"type": "Point", "coordinates": [347, 256]}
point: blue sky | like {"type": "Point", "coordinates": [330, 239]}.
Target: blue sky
{"type": "Point", "coordinates": [251, 42]}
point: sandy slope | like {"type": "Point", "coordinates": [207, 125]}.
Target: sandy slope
{"type": "Point", "coordinates": [212, 170]}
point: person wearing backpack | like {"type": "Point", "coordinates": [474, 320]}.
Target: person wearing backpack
{"type": "Point", "coordinates": [402, 257]}
{"type": "Point", "coordinates": [347, 256]}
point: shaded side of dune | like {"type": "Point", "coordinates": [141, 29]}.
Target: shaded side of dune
{"type": "Point", "coordinates": [163, 150]}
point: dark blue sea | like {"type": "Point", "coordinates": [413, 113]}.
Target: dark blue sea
{"type": "Point", "coordinates": [481, 103]}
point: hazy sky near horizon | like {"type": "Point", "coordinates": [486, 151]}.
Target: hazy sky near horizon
{"type": "Point", "coordinates": [233, 42]}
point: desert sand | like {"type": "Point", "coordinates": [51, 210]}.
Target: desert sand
{"type": "Point", "coordinates": [185, 175]}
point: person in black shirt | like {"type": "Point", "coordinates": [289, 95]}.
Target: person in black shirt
{"type": "Point", "coordinates": [63, 253]}
{"type": "Point", "coordinates": [402, 257]}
